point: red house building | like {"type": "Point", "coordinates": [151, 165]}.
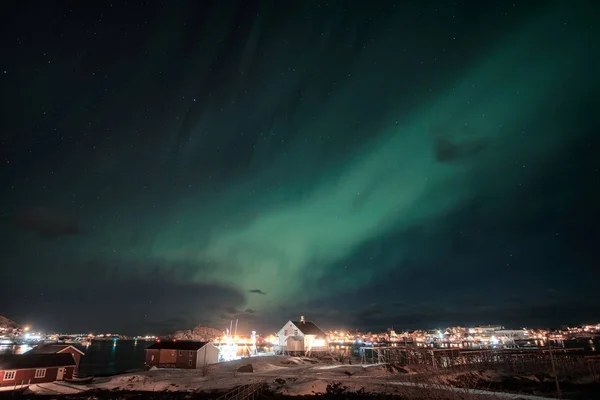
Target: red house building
{"type": "Point", "coordinates": [181, 354]}
{"type": "Point", "coordinates": [59, 349]}
{"type": "Point", "coordinates": [29, 368]}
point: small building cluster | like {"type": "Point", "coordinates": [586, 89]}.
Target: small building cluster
{"type": "Point", "coordinates": [295, 337]}
{"type": "Point", "coordinates": [478, 337]}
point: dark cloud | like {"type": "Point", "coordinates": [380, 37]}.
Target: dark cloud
{"type": "Point", "coordinates": [46, 223]}
{"type": "Point", "coordinates": [499, 313]}
{"type": "Point", "coordinates": [334, 313]}
{"type": "Point", "coordinates": [447, 151]}
{"type": "Point", "coordinates": [231, 310]}
{"type": "Point", "coordinates": [257, 291]}
{"type": "Point", "coordinates": [369, 313]}
{"type": "Point", "coordinates": [131, 301]}
{"type": "Point", "coordinates": [169, 325]}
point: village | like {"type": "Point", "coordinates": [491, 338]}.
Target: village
{"type": "Point", "coordinates": [301, 358]}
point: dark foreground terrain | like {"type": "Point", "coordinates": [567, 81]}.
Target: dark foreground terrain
{"type": "Point", "coordinates": [122, 395]}
{"type": "Point", "coordinates": [335, 393]}
{"type": "Point", "coordinates": [266, 395]}
{"type": "Point", "coordinates": [537, 385]}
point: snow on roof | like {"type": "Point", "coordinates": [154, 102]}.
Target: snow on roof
{"type": "Point", "coordinates": [53, 349]}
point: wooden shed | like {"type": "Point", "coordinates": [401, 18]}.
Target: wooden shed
{"type": "Point", "coordinates": [181, 354]}
{"type": "Point", "coordinates": [57, 348]}
{"type": "Point", "coordinates": [28, 368]}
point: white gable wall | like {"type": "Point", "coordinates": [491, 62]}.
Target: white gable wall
{"type": "Point", "coordinates": [208, 354]}
{"type": "Point", "coordinates": [289, 329]}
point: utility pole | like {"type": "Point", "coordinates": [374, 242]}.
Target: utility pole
{"type": "Point", "coordinates": [558, 392]}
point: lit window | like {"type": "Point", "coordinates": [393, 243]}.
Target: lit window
{"type": "Point", "coordinates": [10, 375]}
{"type": "Point", "coordinates": [40, 373]}
{"type": "Point", "coordinates": [295, 332]}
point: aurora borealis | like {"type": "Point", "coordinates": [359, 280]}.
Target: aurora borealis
{"type": "Point", "coordinates": [364, 165]}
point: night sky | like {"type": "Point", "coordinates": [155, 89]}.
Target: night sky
{"type": "Point", "coordinates": [366, 164]}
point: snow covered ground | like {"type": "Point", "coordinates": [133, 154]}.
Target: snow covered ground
{"type": "Point", "coordinates": [286, 375]}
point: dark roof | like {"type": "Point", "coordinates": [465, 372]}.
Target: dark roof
{"type": "Point", "coordinates": [29, 360]}
{"type": "Point", "coordinates": [309, 328]}
{"type": "Point", "coordinates": [52, 349]}
{"type": "Point", "coordinates": [177, 345]}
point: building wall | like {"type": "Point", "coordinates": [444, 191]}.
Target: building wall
{"type": "Point", "coordinates": [186, 359]}
{"type": "Point", "coordinates": [308, 341]}
{"type": "Point", "coordinates": [27, 376]}
{"type": "Point", "coordinates": [76, 356]}
{"type": "Point", "coordinates": [315, 343]}
{"type": "Point", "coordinates": [289, 329]}
{"type": "Point", "coordinates": [293, 344]}
{"type": "Point", "coordinates": [168, 357]}
{"type": "Point", "coordinates": [207, 355]}
{"type": "Point", "coordinates": [152, 357]}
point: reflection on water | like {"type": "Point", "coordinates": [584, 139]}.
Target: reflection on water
{"type": "Point", "coordinates": [15, 349]}
{"type": "Point", "coordinates": [108, 358]}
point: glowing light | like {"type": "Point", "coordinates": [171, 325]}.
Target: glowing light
{"type": "Point", "coordinates": [228, 351]}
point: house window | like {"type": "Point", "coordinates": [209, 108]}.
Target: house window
{"type": "Point", "coordinates": [285, 332]}
{"type": "Point", "coordinates": [191, 353]}
{"type": "Point", "coordinates": [180, 353]}
{"type": "Point", "coordinates": [9, 375]}
{"type": "Point", "coordinates": [295, 332]}
{"type": "Point", "coordinates": [40, 373]}
{"type": "Point", "coordinates": [190, 363]}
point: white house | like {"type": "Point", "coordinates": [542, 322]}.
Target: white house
{"type": "Point", "coordinates": [301, 337]}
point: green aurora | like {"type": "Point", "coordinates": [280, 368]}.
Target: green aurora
{"type": "Point", "coordinates": [267, 176]}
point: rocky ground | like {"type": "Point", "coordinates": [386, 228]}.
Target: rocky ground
{"type": "Point", "coordinates": [201, 333]}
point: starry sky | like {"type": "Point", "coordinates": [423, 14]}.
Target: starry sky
{"type": "Point", "coordinates": [365, 164]}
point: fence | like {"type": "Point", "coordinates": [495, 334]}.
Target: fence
{"type": "Point", "coordinates": [244, 392]}
{"type": "Point", "coordinates": [567, 361]}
